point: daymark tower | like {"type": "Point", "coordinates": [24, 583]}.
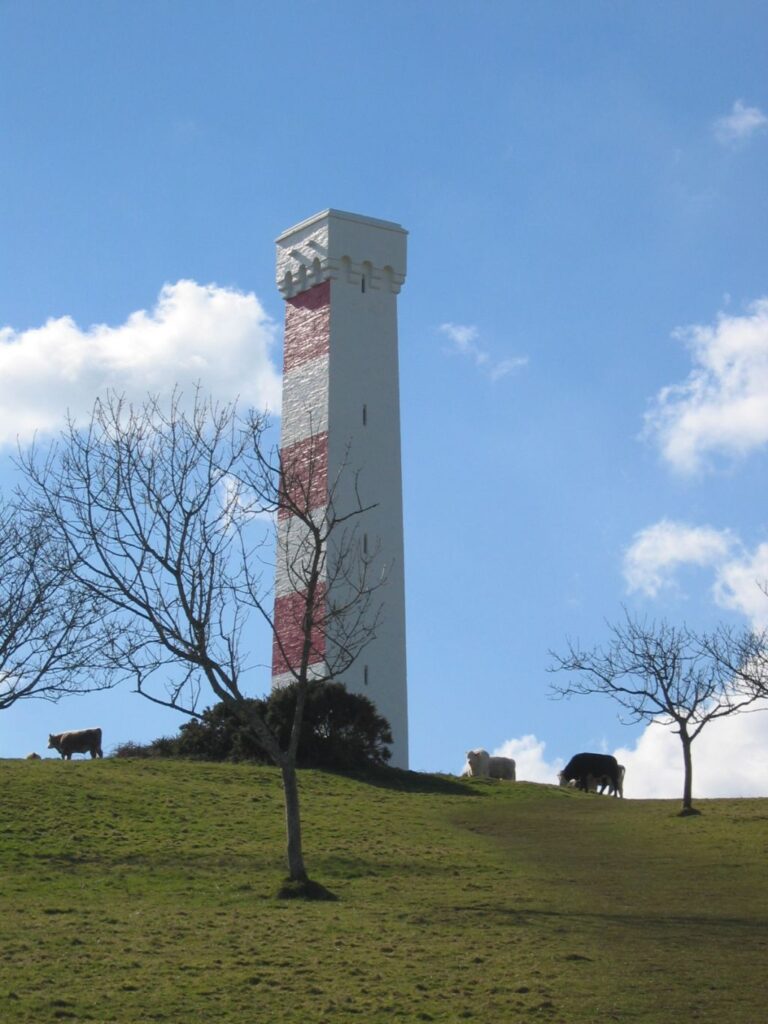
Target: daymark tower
{"type": "Point", "coordinates": [340, 275]}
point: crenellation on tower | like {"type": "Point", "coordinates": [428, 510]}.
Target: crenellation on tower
{"type": "Point", "coordinates": [335, 245]}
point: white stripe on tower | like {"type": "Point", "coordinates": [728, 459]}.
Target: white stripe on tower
{"type": "Point", "coordinates": [340, 275]}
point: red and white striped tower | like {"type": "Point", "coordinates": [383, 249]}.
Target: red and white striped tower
{"type": "Point", "coordinates": [340, 275]}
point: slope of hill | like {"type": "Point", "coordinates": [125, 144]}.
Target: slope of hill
{"type": "Point", "coordinates": [140, 891]}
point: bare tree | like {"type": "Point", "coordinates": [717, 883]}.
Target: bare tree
{"type": "Point", "coordinates": [168, 516]}
{"type": "Point", "coordinates": [660, 673]}
{"type": "Point", "coordinates": [47, 642]}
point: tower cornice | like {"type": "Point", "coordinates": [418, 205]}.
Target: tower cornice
{"type": "Point", "coordinates": [336, 245]}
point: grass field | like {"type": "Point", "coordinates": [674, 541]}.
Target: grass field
{"type": "Point", "coordinates": [139, 891]}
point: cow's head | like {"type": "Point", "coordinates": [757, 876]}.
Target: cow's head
{"type": "Point", "coordinates": [52, 741]}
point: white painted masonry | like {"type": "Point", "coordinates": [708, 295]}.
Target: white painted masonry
{"type": "Point", "coordinates": [305, 401]}
{"type": "Point", "coordinates": [352, 392]}
{"type": "Point", "coordinates": [334, 245]}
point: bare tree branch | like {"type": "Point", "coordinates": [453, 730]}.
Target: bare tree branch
{"type": "Point", "coordinates": [743, 655]}
{"type": "Point", "coordinates": [47, 644]}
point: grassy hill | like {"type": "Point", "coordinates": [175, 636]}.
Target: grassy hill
{"type": "Point", "coordinates": [136, 891]}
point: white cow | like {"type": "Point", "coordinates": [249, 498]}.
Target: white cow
{"type": "Point", "coordinates": [480, 765]}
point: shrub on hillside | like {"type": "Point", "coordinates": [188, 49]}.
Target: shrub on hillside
{"type": "Point", "coordinates": [165, 746]}
{"type": "Point", "coordinates": [219, 735]}
{"type": "Point", "coordinates": [341, 731]}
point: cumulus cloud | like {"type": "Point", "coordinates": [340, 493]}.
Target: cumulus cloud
{"type": "Point", "coordinates": [722, 408]}
{"type": "Point", "coordinates": [530, 760]}
{"type": "Point", "coordinates": [657, 551]}
{"type": "Point", "coordinates": [739, 576]}
{"type": "Point", "coordinates": [218, 336]}
{"type": "Point", "coordinates": [740, 124]}
{"type": "Point", "coordinates": [464, 342]}
{"type": "Point", "coordinates": [730, 759]}
{"type": "Point", "coordinates": [741, 585]}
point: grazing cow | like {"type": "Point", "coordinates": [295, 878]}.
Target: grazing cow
{"type": "Point", "coordinates": [599, 785]}
{"type": "Point", "coordinates": [33, 757]}
{"type": "Point", "coordinates": [481, 765]}
{"type": "Point", "coordinates": [586, 768]}
{"type": "Point", "coordinates": [605, 783]}
{"type": "Point", "coordinates": [83, 741]}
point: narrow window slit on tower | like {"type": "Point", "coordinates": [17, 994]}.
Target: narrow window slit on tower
{"type": "Point", "coordinates": [365, 675]}
{"type": "Point", "coordinates": [362, 283]}
{"type": "Point", "coordinates": [365, 415]}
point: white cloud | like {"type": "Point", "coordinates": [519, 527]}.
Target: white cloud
{"type": "Point", "coordinates": [730, 758]}
{"type": "Point", "coordinates": [741, 585]}
{"type": "Point", "coordinates": [219, 336]}
{"type": "Point", "coordinates": [657, 551]}
{"type": "Point", "coordinates": [531, 764]}
{"type": "Point", "coordinates": [739, 576]}
{"type": "Point", "coordinates": [505, 366]}
{"type": "Point", "coordinates": [464, 342]}
{"type": "Point", "coordinates": [722, 408]}
{"type": "Point", "coordinates": [740, 124]}
{"type": "Point", "coordinates": [464, 338]}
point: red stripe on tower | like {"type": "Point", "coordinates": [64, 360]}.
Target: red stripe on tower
{"type": "Point", "coordinates": [307, 326]}
{"type": "Point", "coordinates": [290, 610]}
{"type": "Point", "coordinates": [304, 474]}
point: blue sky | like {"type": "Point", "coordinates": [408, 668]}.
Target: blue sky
{"type": "Point", "coordinates": [583, 330]}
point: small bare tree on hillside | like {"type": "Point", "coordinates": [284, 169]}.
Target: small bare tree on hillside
{"type": "Point", "coordinates": [47, 643]}
{"type": "Point", "coordinates": [661, 673]}
{"type": "Point", "coordinates": [167, 515]}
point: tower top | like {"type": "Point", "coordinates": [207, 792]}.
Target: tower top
{"type": "Point", "coordinates": [338, 245]}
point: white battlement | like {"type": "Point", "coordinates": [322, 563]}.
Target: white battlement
{"type": "Point", "coordinates": [341, 246]}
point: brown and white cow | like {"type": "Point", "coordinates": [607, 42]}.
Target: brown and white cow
{"type": "Point", "coordinates": [81, 741]}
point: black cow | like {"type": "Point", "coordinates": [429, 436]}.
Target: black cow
{"type": "Point", "coordinates": [605, 783]}
{"type": "Point", "coordinates": [597, 766]}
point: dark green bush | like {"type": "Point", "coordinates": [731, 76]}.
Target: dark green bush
{"type": "Point", "coordinates": [220, 735]}
{"type": "Point", "coordinates": [165, 746]}
{"type": "Point", "coordinates": [341, 731]}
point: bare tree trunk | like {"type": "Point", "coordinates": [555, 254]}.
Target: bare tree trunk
{"type": "Point", "coordinates": [688, 773]}
{"type": "Point", "coordinates": [296, 870]}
